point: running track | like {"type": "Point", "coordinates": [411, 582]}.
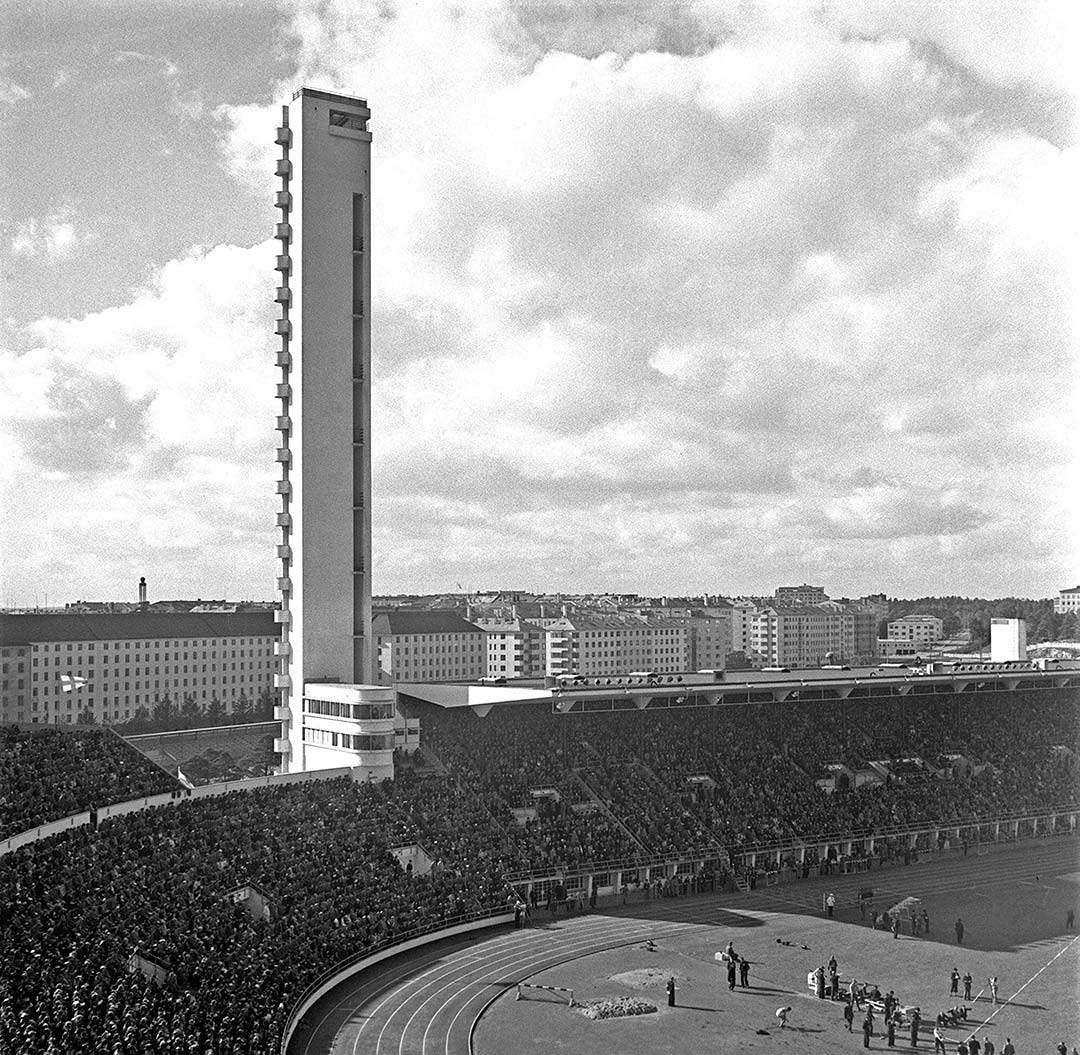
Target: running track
{"type": "Point", "coordinates": [428, 1002]}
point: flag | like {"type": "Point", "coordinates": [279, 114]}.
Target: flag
{"type": "Point", "coordinates": [69, 683]}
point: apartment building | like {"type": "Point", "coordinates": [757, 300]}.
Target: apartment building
{"type": "Point", "coordinates": [811, 635]}
{"type": "Point", "coordinates": [598, 644]}
{"type": "Point", "coordinates": [428, 646]}
{"type": "Point", "coordinates": [788, 596]}
{"type": "Point", "coordinates": [515, 647]}
{"type": "Point", "coordinates": [54, 666]}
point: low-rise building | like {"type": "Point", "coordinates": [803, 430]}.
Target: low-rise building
{"type": "Point", "coordinates": [1067, 601]}
{"type": "Point", "coordinates": [922, 628]}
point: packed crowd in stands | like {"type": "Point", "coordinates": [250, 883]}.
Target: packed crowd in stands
{"type": "Point", "coordinates": [73, 908]}
{"type": "Point", "coordinates": [493, 795]}
{"type": "Point", "coordinates": [47, 774]}
{"type": "Point", "coordinates": [664, 781]}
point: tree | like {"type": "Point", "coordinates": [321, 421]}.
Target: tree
{"type": "Point", "coordinates": [215, 710]}
{"type": "Point", "coordinates": [242, 708]}
{"type": "Point", "coordinates": [164, 711]}
{"type": "Point", "coordinates": [264, 709]}
{"type": "Point", "coordinates": [140, 721]}
{"type": "Point", "coordinates": [191, 710]}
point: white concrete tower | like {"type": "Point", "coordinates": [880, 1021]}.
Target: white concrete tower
{"type": "Point", "coordinates": [324, 455]}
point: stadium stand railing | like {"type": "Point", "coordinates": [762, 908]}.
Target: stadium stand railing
{"type": "Point", "coordinates": [168, 798]}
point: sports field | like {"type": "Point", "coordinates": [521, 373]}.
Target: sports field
{"type": "Point", "coordinates": [460, 997]}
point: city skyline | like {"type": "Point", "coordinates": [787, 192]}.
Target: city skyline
{"type": "Point", "coordinates": [666, 298]}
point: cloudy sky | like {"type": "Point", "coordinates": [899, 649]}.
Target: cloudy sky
{"type": "Point", "coordinates": [667, 296]}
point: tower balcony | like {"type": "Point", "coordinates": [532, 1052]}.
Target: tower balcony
{"type": "Point", "coordinates": [283, 423]}
{"type": "Point", "coordinates": [282, 358]}
{"type": "Point", "coordinates": [283, 231]}
{"type": "Point", "coordinates": [283, 295]}
{"type": "Point", "coordinates": [282, 615]}
{"type": "Point", "coordinates": [283, 263]}
{"type": "Point", "coordinates": [282, 327]}
{"type": "Point", "coordinates": [283, 168]}
{"type": "Point", "coordinates": [283, 487]}
{"type": "Point", "coordinates": [283, 199]}
{"type": "Point", "coordinates": [283, 136]}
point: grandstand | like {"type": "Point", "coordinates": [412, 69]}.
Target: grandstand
{"type": "Point", "coordinates": [527, 800]}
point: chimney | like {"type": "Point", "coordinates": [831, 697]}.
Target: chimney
{"type": "Point", "coordinates": [142, 591]}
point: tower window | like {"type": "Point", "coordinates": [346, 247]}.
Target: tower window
{"type": "Point", "coordinates": [341, 119]}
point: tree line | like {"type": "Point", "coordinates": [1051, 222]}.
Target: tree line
{"type": "Point", "coordinates": [973, 614]}
{"type": "Point", "coordinates": [187, 712]}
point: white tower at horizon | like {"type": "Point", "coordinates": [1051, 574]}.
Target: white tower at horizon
{"type": "Point", "coordinates": [324, 420]}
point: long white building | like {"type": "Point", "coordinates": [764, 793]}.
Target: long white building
{"type": "Point", "coordinates": [55, 666]}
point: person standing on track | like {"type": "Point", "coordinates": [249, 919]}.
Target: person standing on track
{"type": "Point", "coordinates": [967, 985]}
{"type": "Point", "coordinates": [744, 972]}
{"type": "Point", "coordinates": [1008, 1049]}
{"type": "Point", "coordinates": [671, 992]}
{"type": "Point", "coordinates": [993, 983]}
{"type": "Point", "coordinates": [925, 923]}
{"type": "Point", "coordinates": [731, 969]}
{"type": "Point", "coordinates": [854, 995]}
{"type": "Point", "coordinates": [939, 1040]}
{"type": "Point", "coordinates": [867, 1029]}
{"type": "Point", "coordinates": [958, 927]}
{"type": "Point", "coordinates": [915, 1023]}
{"type": "Point", "coordinates": [849, 1016]}
{"type": "Point", "coordinates": [954, 983]}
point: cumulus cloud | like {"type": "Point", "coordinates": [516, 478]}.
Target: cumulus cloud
{"type": "Point", "coordinates": [142, 432]}
{"type": "Point", "coordinates": [666, 296]}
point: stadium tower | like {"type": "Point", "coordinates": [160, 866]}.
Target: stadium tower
{"type": "Point", "coordinates": [324, 454]}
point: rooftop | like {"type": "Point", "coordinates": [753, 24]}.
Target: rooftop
{"type": "Point", "coordinates": [18, 629]}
